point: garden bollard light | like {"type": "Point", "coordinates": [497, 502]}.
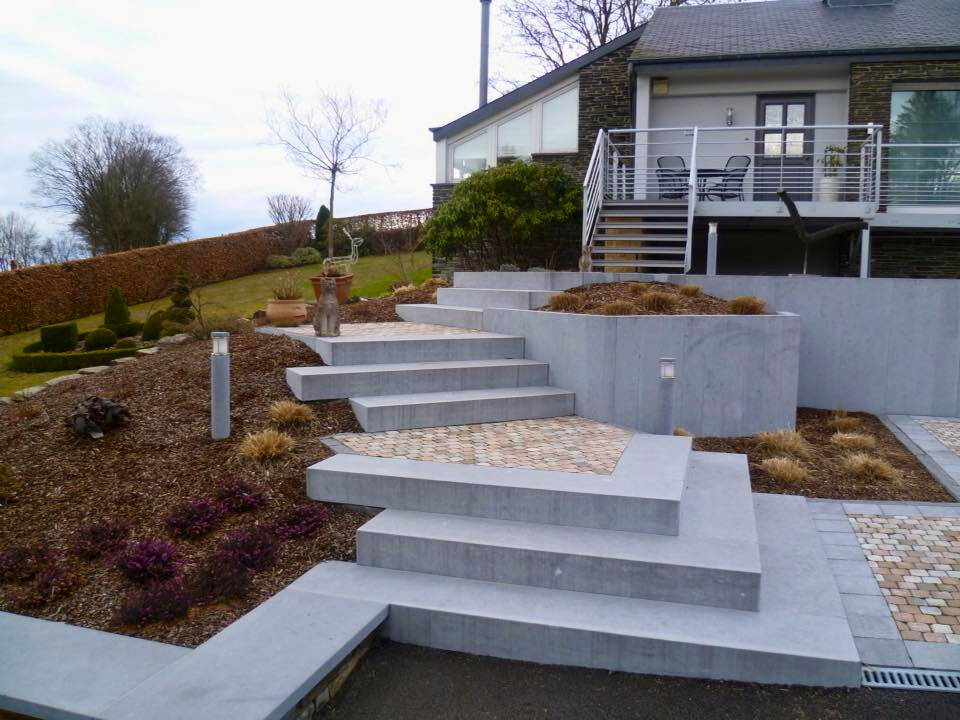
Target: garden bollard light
{"type": "Point", "coordinates": [220, 386]}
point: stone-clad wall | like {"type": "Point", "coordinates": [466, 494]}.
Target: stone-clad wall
{"type": "Point", "coordinates": [915, 255]}
{"type": "Point", "coordinates": [871, 84]}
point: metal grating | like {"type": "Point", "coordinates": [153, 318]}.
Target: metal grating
{"type": "Point", "coordinates": [895, 678]}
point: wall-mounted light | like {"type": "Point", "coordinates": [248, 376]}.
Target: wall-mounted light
{"type": "Point", "coordinates": [729, 116]}
{"type": "Point", "coordinates": [659, 86]}
{"type": "Point", "coordinates": [668, 368]}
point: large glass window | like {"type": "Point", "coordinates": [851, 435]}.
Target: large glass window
{"type": "Point", "coordinates": [515, 139]}
{"type": "Point", "coordinates": [560, 123]}
{"type": "Point", "coordinates": [470, 156]}
{"type": "Point", "coordinates": [924, 116]}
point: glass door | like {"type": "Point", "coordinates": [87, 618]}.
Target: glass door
{"type": "Point", "coordinates": [784, 154]}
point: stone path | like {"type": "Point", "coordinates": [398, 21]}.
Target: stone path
{"type": "Point", "coordinates": [883, 556]}
{"type": "Point", "coordinates": [544, 444]}
{"type": "Point", "coordinates": [386, 329]}
{"type": "Point", "coordinates": [935, 442]}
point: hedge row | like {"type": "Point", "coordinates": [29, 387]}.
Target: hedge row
{"type": "Point", "coordinates": [31, 360]}
{"type": "Point", "coordinates": [46, 294]}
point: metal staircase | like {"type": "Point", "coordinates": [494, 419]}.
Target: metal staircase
{"type": "Point", "coordinates": [646, 235]}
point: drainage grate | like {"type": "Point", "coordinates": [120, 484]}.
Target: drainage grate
{"type": "Point", "coordinates": [895, 678]}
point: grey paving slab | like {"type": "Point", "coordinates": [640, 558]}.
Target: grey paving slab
{"type": "Point", "coordinates": [941, 461]}
{"type": "Point", "coordinates": [859, 508]}
{"type": "Point", "coordinates": [259, 667]}
{"type": "Point", "coordinates": [873, 626]}
{"type": "Point", "coordinates": [54, 670]}
{"type": "Point", "coordinates": [866, 604]}
{"type": "Point", "coordinates": [843, 552]}
{"type": "Point", "coordinates": [839, 526]}
{"type": "Point", "coordinates": [935, 656]}
{"type": "Point", "coordinates": [899, 509]}
{"type": "Point", "coordinates": [856, 568]}
{"type": "Point", "coordinates": [849, 584]}
{"type": "Point", "coordinates": [836, 538]}
{"type": "Point", "coordinates": [878, 651]}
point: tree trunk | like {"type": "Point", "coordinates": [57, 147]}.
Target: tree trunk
{"type": "Point", "coordinates": [333, 186]}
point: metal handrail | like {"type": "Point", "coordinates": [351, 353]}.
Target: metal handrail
{"type": "Point", "coordinates": [593, 187]}
{"type": "Point", "coordinates": [691, 200]}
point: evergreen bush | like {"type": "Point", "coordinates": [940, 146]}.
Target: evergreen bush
{"type": "Point", "coordinates": [116, 311]}
{"type": "Point", "coordinates": [153, 326]}
{"type": "Point", "coordinates": [59, 338]}
{"type": "Point", "coordinates": [99, 339]}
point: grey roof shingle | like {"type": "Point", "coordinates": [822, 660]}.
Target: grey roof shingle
{"type": "Point", "coordinates": [796, 28]}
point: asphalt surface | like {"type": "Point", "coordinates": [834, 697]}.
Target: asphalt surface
{"type": "Point", "coordinates": [403, 682]}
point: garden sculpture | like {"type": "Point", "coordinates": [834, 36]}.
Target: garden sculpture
{"type": "Point", "coordinates": [808, 238]}
{"type": "Point", "coordinates": [326, 317]}
{"type": "Point", "coordinates": [344, 260]}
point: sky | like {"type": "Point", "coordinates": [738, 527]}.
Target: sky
{"type": "Point", "coordinates": [207, 72]}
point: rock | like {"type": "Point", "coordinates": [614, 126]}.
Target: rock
{"type": "Point", "coordinates": [63, 379]}
{"type": "Point", "coordinates": [93, 369]}
{"type": "Point", "coordinates": [6, 400]}
{"type": "Point", "coordinates": [28, 392]}
{"type": "Point", "coordinates": [122, 360]}
{"type": "Point", "coordinates": [148, 351]}
{"type": "Point", "coordinates": [177, 339]}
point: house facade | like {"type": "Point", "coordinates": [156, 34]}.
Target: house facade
{"type": "Point", "coordinates": [701, 116]}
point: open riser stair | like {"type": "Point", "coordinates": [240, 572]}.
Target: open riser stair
{"type": "Point", "coordinates": [641, 236]}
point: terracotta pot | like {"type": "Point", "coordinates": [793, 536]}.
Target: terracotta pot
{"type": "Point", "coordinates": [286, 313]}
{"type": "Point", "coordinates": [343, 287]}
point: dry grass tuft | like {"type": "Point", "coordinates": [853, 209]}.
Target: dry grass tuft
{"type": "Point", "coordinates": [658, 301]}
{"type": "Point", "coordinates": [870, 468]}
{"type": "Point", "coordinates": [636, 288]}
{"type": "Point", "coordinates": [785, 470]}
{"type": "Point", "coordinates": [787, 442]}
{"type": "Point", "coordinates": [854, 441]}
{"type": "Point", "coordinates": [287, 412]}
{"type": "Point", "coordinates": [618, 307]}
{"type": "Point", "coordinates": [266, 445]}
{"type": "Point", "coordinates": [843, 423]}
{"type": "Point", "coordinates": [691, 290]}
{"type": "Point", "coordinates": [434, 282]}
{"type": "Point", "coordinates": [564, 302]}
{"type": "Point", "coordinates": [682, 432]}
{"type": "Point", "coordinates": [405, 289]}
{"type": "Point", "coordinates": [747, 305]}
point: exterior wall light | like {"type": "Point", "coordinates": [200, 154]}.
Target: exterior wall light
{"type": "Point", "coordinates": [220, 386]}
{"type": "Point", "coordinates": [729, 116]}
{"type": "Point", "coordinates": [668, 368]}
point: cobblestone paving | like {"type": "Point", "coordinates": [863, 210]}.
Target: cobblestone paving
{"type": "Point", "coordinates": [916, 562]}
{"type": "Point", "coordinates": [946, 431]}
{"type": "Point", "coordinates": [566, 444]}
{"type": "Point", "coordinates": [388, 329]}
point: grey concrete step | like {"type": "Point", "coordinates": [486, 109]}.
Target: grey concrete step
{"type": "Point", "coordinates": [342, 381]}
{"type": "Point", "coordinates": [491, 298]}
{"type": "Point", "coordinates": [356, 350]}
{"type": "Point", "coordinates": [643, 494]}
{"type": "Point", "coordinates": [464, 317]}
{"type": "Point", "coordinates": [715, 560]}
{"type": "Point", "coordinates": [460, 407]}
{"type": "Point", "coordinates": [798, 636]}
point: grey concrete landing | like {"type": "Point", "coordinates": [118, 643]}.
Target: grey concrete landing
{"type": "Point", "coordinates": [464, 317]}
{"type": "Point", "coordinates": [52, 670]}
{"type": "Point", "coordinates": [642, 495]}
{"type": "Point", "coordinates": [328, 382]}
{"type": "Point", "coordinates": [460, 407]}
{"type": "Point", "coordinates": [942, 462]}
{"type": "Point", "coordinates": [714, 561]}
{"type": "Point", "coordinates": [799, 635]}
{"type": "Point", "coordinates": [487, 298]}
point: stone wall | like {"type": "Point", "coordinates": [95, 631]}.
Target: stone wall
{"type": "Point", "coordinates": [916, 255]}
{"type": "Point", "coordinates": [871, 84]}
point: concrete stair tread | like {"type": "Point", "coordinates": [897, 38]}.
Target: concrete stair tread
{"type": "Point", "coordinates": [456, 396]}
{"type": "Point", "coordinates": [453, 315]}
{"type": "Point", "coordinates": [402, 367]}
{"type": "Point", "coordinates": [493, 297]}
{"type": "Point", "coordinates": [385, 349]}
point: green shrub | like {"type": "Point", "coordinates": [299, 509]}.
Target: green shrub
{"type": "Point", "coordinates": [36, 361]}
{"type": "Point", "coordinates": [127, 329]}
{"type": "Point", "coordinates": [306, 256]}
{"type": "Point", "coordinates": [181, 304]}
{"type": "Point", "coordinates": [116, 312]}
{"type": "Point", "coordinates": [276, 262]}
{"type": "Point", "coordinates": [99, 339]}
{"type": "Point", "coordinates": [127, 342]}
{"type": "Point", "coordinates": [515, 213]}
{"type": "Point", "coordinates": [59, 338]}
{"type": "Point", "coordinates": [320, 229]}
{"type": "Point", "coordinates": [153, 326]}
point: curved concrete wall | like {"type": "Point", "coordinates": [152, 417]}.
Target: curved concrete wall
{"type": "Point", "coordinates": [736, 375]}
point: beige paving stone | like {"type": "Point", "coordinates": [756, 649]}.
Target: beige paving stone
{"type": "Point", "coordinates": [946, 431]}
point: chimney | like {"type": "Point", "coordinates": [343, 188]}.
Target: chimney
{"type": "Point", "coordinates": [484, 49]}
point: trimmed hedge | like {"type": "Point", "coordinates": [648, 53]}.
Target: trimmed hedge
{"type": "Point", "coordinates": [59, 338]}
{"type": "Point", "coordinates": [46, 294]}
{"type": "Point", "coordinates": [127, 329]}
{"type": "Point", "coordinates": [30, 359]}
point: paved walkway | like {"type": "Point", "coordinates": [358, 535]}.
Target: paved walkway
{"type": "Point", "coordinates": [935, 442]}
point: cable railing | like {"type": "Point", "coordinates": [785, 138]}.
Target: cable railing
{"type": "Point", "coordinates": [920, 174]}
{"type": "Point", "coordinates": [593, 184]}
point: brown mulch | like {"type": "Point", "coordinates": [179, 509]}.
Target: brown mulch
{"type": "Point", "coordinates": [164, 455]}
{"type": "Point", "coordinates": [827, 478]}
{"type": "Point", "coordinates": [383, 309]}
{"type": "Point", "coordinates": [595, 296]}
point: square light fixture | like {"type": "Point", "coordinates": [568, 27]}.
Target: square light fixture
{"type": "Point", "coordinates": [659, 86]}
{"type": "Point", "coordinates": [668, 368]}
{"type": "Point", "coordinates": [221, 343]}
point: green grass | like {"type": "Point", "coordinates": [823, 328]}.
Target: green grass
{"type": "Point", "coordinates": [372, 277]}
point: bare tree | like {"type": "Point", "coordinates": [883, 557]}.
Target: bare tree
{"type": "Point", "coordinates": [289, 213]}
{"type": "Point", "coordinates": [551, 33]}
{"type": "Point", "coordinates": [18, 241]}
{"type": "Point", "coordinates": [125, 185]}
{"type": "Point", "coordinates": [328, 139]}
{"type": "Point", "coordinates": [60, 248]}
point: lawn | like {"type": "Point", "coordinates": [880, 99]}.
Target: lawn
{"type": "Point", "coordinates": [373, 276]}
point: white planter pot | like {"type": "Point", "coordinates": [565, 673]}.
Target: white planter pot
{"type": "Point", "coordinates": [829, 189]}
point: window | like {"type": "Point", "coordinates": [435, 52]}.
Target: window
{"type": "Point", "coordinates": [925, 115]}
{"type": "Point", "coordinates": [559, 131]}
{"type": "Point", "coordinates": [515, 138]}
{"type": "Point", "coordinates": [470, 156]}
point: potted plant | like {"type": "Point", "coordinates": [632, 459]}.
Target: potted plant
{"type": "Point", "coordinates": [832, 161]}
{"type": "Point", "coordinates": [287, 308]}
{"type": "Point", "coordinates": [343, 277]}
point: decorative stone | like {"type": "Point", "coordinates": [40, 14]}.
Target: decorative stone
{"type": "Point", "coordinates": [326, 319]}
{"type": "Point", "coordinates": [148, 351]}
{"type": "Point", "coordinates": [122, 360]}
{"type": "Point", "coordinates": [93, 369]}
{"type": "Point", "coordinates": [177, 339]}
{"type": "Point", "coordinates": [63, 379]}
{"type": "Point", "coordinates": [28, 392]}
{"type": "Point", "coordinates": [6, 400]}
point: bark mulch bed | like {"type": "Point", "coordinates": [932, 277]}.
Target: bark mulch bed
{"type": "Point", "coordinates": [382, 309]}
{"type": "Point", "coordinates": [827, 478]}
{"type": "Point", "coordinates": [163, 456]}
{"type": "Point", "coordinates": [593, 297]}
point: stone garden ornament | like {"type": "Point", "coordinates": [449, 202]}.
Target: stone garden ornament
{"type": "Point", "coordinates": [326, 318]}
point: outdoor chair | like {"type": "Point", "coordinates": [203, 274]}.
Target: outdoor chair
{"type": "Point", "coordinates": [730, 184]}
{"type": "Point", "coordinates": [672, 177]}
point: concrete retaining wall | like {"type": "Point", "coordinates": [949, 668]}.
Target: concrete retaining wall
{"type": "Point", "coordinates": [878, 345]}
{"type": "Point", "coordinates": [736, 375]}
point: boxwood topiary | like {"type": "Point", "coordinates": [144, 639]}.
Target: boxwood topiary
{"type": "Point", "coordinates": [99, 339]}
{"type": "Point", "coordinates": [153, 326]}
{"type": "Point", "coordinates": [127, 329]}
{"type": "Point", "coordinates": [127, 342]}
{"type": "Point", "coordinates": [116, 312]}
{"type": "Point", "coordinates": [59, 338]}
{"type": "Point", "coordinates": [31, 359]}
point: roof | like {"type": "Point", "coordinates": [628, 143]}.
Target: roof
{"type": "Point", "coordinates": [796, 28]}
{"type": "Point", "coordinates": [544, 82]}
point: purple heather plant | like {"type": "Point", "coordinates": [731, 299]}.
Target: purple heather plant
{"type": "Point", "coordinates": [253, 547]}
{"type": "Point", "coordinates": [193, 518]}
{"type": "Point", "coordinates": [54, 582]}
{"type": "Point", "coordinates": [20, 564]}
{"type": "Point", "coordinates": [240, 496]}
{"type": "Point", "coordinates": [149, 560]}
{"type": "Point", "coordinates": [155, 602]}
{"type": "Point", "coordinates": [107, 537]}
{"type": "Point", "coordinates": [300, 521]}
{"type": "Point", "coordinates": [218, 580]}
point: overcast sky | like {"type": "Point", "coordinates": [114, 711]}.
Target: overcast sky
{"type": "Point", "coordinates": [205, 72]}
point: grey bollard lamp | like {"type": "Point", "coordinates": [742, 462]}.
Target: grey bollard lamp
{"type": "Point", "coordinates": [220, 386]}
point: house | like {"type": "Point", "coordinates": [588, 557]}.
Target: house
{"type": "Point", "coordinates": [701, 115]}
